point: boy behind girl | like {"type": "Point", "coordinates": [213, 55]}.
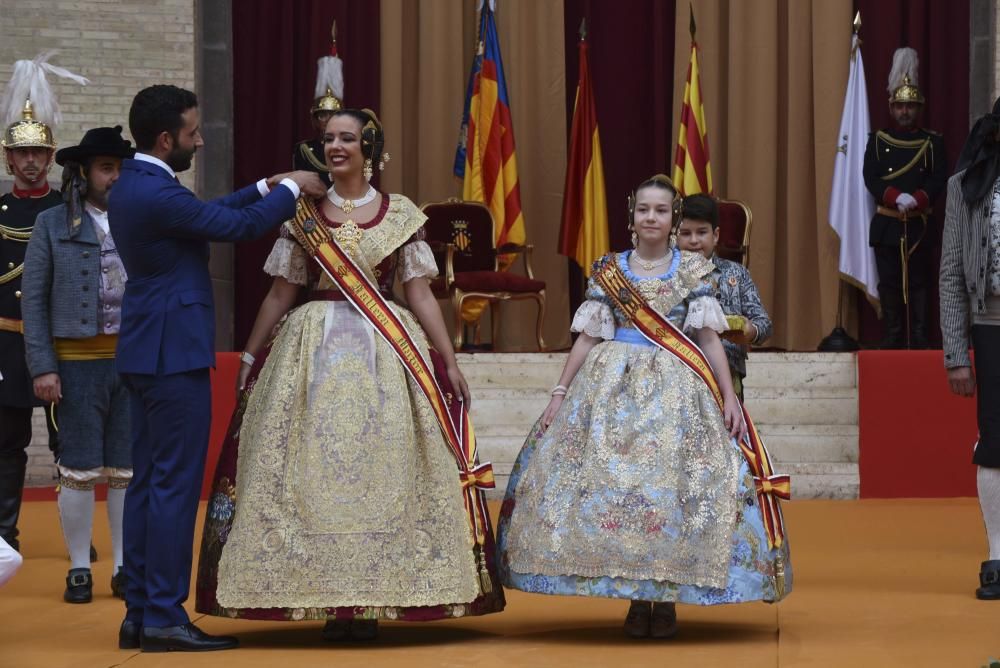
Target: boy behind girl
{"type": "Point", "coordinates": [748, 320]}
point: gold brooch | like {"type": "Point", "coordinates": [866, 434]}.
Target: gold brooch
{"type": "Point", "coordinates": [349, 236]}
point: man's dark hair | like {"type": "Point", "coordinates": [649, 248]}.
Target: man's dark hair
{"type": "Point", "coordinates": [158, 109]}
{"type": "Point", "coordinates": [702, 208]}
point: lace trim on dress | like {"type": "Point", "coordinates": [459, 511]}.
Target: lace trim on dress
{"type": "Point", "coordinates": [416, 260]}
{"type": "Point", "coordinates": [705, 312]}
{"type": "Point", "coordinates": [596, 319]}
{"type": "Point", "coordinates": [288, 260]}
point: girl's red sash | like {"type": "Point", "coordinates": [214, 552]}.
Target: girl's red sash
{"type": "Point", "coordinates": [662, 333]}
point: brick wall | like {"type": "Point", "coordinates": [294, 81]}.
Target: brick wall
{"type": "Point", "coordinates": [121, 46]}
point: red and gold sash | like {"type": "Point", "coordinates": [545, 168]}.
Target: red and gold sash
{"type": "Point", "coordinates": [664, 334]}
{"type": "Point", "coordinates": [452, 416]}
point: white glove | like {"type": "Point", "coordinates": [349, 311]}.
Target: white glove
{"type": "Point", "coordinates": [906, 202]}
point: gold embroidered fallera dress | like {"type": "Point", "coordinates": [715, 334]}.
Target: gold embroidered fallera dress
{"type": "Point", "coordinates": [346, 500]}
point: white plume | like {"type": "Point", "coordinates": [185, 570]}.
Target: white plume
{"type": "Point", "coordinates": [330, 74]}
{"type": "Point", "coordinates": [904, 62]}
{"type": "Point", "coordinates": [29, 83]}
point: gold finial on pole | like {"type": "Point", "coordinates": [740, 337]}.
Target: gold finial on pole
{"type": "Point", "coordinates": [583, 28]}
{"type": "Point", "coordinates": [692, 26]}
{"type": "Point", "coordinates": [333, 31]}
{"type": "Point", "coordinates": [857, 23]}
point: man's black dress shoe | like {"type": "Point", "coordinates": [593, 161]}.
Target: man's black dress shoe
{"type": "Point", "coordinates": [79, 586]}
{"type": "Point", "coordinates": [129, 635]}
{"type": "Point", "coordinates": [118, 585]}
{"type": "Point", "coordinates": [185, 638]}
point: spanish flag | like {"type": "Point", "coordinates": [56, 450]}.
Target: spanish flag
{"type": "Point", "coordinates": [489, 168]}
{"type": "Point", "coordinates": [692, 169]}
{"type": "Point", "coordinates": [584, 232]}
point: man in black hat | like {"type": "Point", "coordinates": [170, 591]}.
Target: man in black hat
{"type": "Point", "coordinates": [71, 304]}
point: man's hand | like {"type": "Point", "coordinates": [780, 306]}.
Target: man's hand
{"type": "Point", "coordinates": [906, 202]}
{"type": "Point", "coordinates": [309, 183]}
{"type": "Point", "coordinates": [962, 381]}
{"type": "Point", "coordinates": [48, 388]}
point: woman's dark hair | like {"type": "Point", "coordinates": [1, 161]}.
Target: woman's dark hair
{"type": "Point", "coordinates": [158, 109]}
{"type": "Point", "coordinates": [702, 208]}
{"type": "Point", "coordinates": [372, 138]}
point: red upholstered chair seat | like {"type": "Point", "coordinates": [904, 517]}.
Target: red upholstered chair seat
{"type": "Point", "coordinates": [496, 281]}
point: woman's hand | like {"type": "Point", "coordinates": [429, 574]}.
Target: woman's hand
{"type": "Point", "coordinates": [241, 379]}
{"type": "Point", "coordinates": [551, 410]}
{"type": "Point", "coordinates": [459, 385]}
{"type": "Point", "coordinates": [733, 415]}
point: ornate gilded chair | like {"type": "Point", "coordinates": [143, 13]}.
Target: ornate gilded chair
{"type": "Point", "coordinates": [461, 234]}
{"type": "Point", "coordinates": [735, 219]}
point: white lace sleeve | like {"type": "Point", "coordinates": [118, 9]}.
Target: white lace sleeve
{"type": "Point", "coordinates": [288, 260]}
{"type": "Point", "coordinates": [705, 312]}
{"type": "Point", "coordinates": [594, 318]}
{"type": "Point", "coordinates": [416, 261]}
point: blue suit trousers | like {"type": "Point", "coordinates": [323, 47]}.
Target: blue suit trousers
{"type": "Point", "coordinates": [171, 419]}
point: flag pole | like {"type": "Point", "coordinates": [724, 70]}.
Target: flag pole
{"type": "Point", "coordinates": [838, 340]}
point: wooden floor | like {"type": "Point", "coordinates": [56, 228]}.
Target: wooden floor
{"type": "Point", "coordinates": [877, 583]}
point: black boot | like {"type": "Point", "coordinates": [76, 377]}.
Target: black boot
{"type": "Point", "coordinates": [12, 467]}
{"type": "Point", "coordinates": [893, 319]}
{"type": "Point", "coordinates": [918, 319]}
{"type": "Point", "coordinates": [989, 580]}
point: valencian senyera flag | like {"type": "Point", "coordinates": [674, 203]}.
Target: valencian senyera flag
{"type": "Point", "coordinates": [583, 235]}
{"type": "Point", "coordinates": [851, 205]}
{"type": "Point", "coordinates": [692, 169]}
{"type": "Point", "coordinates": [486, 159]}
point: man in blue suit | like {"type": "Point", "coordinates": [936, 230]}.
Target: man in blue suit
{"type": "Point", "coordinates": [166, 348]}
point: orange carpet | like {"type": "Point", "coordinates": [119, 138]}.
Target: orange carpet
{"type": "Point", "coordinates": [877, 583]}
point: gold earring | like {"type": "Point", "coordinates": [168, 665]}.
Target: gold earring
{"type": "Point", "coordinates": [368, 169]}
{"type": "Point", "coordinates": [635, 240]}
{"type": "Point", "coordinates": [381, 163]}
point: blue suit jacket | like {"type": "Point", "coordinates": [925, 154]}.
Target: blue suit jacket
{"type": "Point", "coordinates": [162, 232]}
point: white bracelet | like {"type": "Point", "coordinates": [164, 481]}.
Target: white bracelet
{"type": "Point", "coordinates": [247, 358]}
{"type": "Point", "coordinates": [559, 391]}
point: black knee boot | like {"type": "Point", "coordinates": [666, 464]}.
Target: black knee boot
{"type": "Point", "coordinates": [893, 319]}
{"type": "Point", "coordinates": [918, 319]}
{"type": "Point", "coordinates": [15, 435]}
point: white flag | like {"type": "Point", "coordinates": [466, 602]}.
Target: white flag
{"type": "Point", "coordinates": [851, 205]}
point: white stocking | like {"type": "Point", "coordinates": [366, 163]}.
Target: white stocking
{"type": "Point", "coordinates": [76, 511]}
{"type": "Point", "coordinates": [988, 482]}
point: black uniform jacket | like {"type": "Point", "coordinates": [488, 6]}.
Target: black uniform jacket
{"type": "Point", "coordinates": [308, 155]}
{"type": "Point", "coordinates": [903, 161]}
{"type": "Point", "coordinates": [17, 217]}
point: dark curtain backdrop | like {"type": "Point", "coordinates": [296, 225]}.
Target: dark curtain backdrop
{"type": "Point", "coordinates": [939, 31]}
{"type": "Point", "coordinates": [632, 68]}
{"type": "Point", "coordinates": [275, 47]}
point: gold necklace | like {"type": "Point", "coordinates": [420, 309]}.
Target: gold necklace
{"type": "Point", "coordinates": [650, 265]}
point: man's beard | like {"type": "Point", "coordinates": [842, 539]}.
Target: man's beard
{"type": "Point", "coordinates": [180, 159]}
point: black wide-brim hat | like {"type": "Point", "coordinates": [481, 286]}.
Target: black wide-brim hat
{"type": "Point", "coordinates": [99, 141]}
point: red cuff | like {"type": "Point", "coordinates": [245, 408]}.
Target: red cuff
{"type": "Point", "coordinates": [890, 195]}
{"type": "Point", "coordinates": [922, 200]}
